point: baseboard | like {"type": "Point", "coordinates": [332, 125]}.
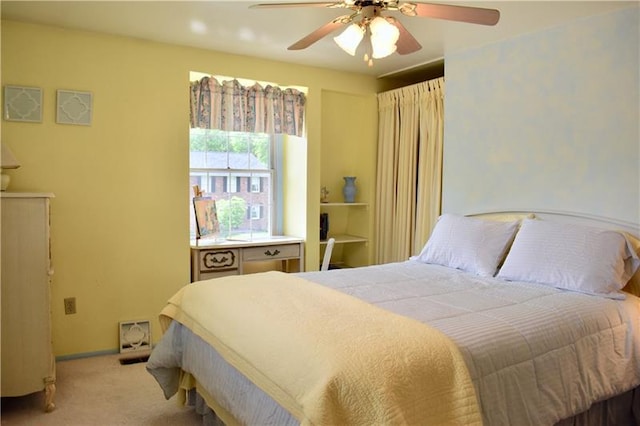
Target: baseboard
{"type": "Point", "coordinates": [87, 355]}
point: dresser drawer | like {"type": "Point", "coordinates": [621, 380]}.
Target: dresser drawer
{"type": "Point", "coordinates": [218, 260]}
{"type": "Point", "coordinates": [282, 251]}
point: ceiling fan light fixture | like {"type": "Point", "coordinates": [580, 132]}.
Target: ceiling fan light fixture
{"type": "Point", "coordinates": [384, 36]}
{"type": "Point", "coordinates": [381, 49]}
{"type": "Point", "coordinates": [350, 38]}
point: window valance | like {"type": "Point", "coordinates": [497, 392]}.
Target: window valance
{"type": "Point", "coordinates": [230, 106]}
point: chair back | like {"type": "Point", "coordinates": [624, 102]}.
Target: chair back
{"type": "Point", "coordinates": [327, 254]}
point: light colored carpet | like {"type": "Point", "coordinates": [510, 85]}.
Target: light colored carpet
{"type": "Point", "coordinates": [100, 391]}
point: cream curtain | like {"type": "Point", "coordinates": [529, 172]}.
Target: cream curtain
{"type": "Point", "coordinates": [410, 138]}
{"type": "Point", "coordinates": [232, 107]}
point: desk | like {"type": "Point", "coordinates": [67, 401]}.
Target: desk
{"type": "Point", "coordinates": [222, 258]}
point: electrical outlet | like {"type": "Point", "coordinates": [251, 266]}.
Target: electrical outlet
{"type": "Point", "coordinates": [70, 305]}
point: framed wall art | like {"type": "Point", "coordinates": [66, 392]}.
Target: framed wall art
{"type": "Point", "coordinates": [23, 104]}
{"type": "Point", "coordinates": [74, 107]}
{"type": "Point", "coordinates": [207, 225]}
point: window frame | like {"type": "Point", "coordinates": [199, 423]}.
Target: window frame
{"type": "Point", "coordinates": [273, 173]}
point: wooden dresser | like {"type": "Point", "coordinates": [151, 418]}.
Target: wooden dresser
{"type": "Point", "coordinates": [28, 364]}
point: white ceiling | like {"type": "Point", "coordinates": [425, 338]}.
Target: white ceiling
{"type": "Point", "coordinates": [230, 26]}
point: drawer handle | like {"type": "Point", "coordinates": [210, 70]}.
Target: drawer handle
{"type": "Point", "coordinates": [269, 253]}
{"type": "Point", "coordinates": [212, 261]}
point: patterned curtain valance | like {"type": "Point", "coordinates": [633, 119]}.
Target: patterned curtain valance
{"type": "Point", "coordinates": [230, 106]}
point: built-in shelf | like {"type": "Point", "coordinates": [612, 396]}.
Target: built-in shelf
{"type": "Point", "coordinates": [348, 226]}
{"type": "Point", "coordinates": [342, 204]}
{"type": "Point", "coordinates": [346, 237]}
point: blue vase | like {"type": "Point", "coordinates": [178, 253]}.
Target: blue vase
{"type": "Point", "coordinates": [349, 189]}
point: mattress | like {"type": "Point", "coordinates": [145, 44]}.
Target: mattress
{"type": "Point", "coordinates": [535, 354]}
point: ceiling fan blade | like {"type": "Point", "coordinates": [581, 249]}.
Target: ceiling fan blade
{"type": "Point", "coordinates": [327, 28]}
{"type": "Point", "coordinates": [279, 5]}
{"type": "Point", "coordinates": [406, 42]}
{"type": "Point", "coordinates": [473, 15]}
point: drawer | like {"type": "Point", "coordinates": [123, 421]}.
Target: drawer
{"type": "Point", "coordinates": [217, 260]}
{"type": "Point", "coordinates": [282, 251]}
{"type": "Point", "coordinates": [216, 274]}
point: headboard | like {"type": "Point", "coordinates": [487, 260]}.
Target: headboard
{"type": "Point", "coordinates": [566, 216]}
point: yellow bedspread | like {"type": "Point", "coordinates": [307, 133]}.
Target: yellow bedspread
{"type": "Point", "coordinates": [326, 357]}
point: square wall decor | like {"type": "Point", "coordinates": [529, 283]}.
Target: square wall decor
{"type": "Point", "coordinates": [23, 104]}
{"type": "Point", "coordinates": [74, 107]}
{"type": "Point", "coordinates": [135, 336]}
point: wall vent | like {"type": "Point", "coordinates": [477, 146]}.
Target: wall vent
{"type": "Point", "coordinates": [135, 337]}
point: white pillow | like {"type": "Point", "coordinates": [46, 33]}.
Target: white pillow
{"type": "Point", "coordinates": [470, 244]}
{"type": "Point", "coordinates": [572, 257]}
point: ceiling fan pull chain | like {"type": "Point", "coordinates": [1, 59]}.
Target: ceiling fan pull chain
{"type": "Point", "coordinates": [368, 59]}
{"type": "Point", "coordinates": [368, 55]}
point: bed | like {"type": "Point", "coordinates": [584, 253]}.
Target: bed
{"type": "Point", "coordinates": [500, 320]}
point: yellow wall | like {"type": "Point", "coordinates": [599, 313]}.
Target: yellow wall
{"type": "Point", "coordinates": [120, 225]}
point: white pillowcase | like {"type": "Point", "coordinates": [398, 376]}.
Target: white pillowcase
{"type": "Point", "coordinates": [470, 244]}
{"type": "Point", "coordinates": [572, 257]}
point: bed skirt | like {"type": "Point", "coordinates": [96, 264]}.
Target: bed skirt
{"type": "Point", "coordinates": [621, 410]}
{"type": "Point", "coordinates": [209, 417]}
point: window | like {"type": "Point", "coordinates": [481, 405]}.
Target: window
{"type": "Point", "coordinates": [242, 169]}
{"type": "Point", "coordinates": [239, 171]}
{"type": "Point", "coordinates": [256, 184]}
{"type": "Point", "coordinates": [231, 183]}
{"type": "Point", "coordinates": [213, 184]}
{"type": "Point", "coordinates": [255, 212]}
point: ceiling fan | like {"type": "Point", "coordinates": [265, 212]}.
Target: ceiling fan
{"type": "Point", "coordinates": [387, 34]}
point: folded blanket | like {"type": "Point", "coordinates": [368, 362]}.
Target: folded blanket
{"type": "Point", "coordinates": [326, 357]}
